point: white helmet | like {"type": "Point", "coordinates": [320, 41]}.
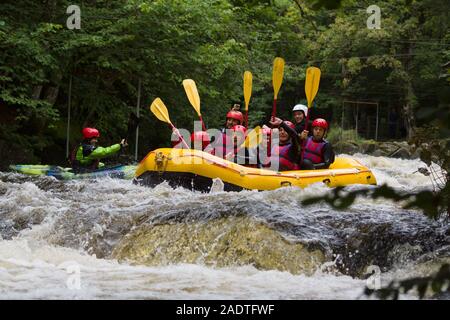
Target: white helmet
{"type": "Point", "coordinates": [301, 107]}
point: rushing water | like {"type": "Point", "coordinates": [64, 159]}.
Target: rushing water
{"type": "Point", "coordinates": [113, 239]}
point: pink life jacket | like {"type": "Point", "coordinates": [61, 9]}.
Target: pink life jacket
{"type": "Point", "coordinates": [282, 152]}
{"type": "Point", "coordinates": [314, 150]}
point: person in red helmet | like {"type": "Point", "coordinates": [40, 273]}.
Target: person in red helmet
{"type": "Point", "coordinates": [224, 145]}
{"type": "Point", "coordinates": [86, 157]}
{"type": "Point", "coordinates": [235, 151]}
{"type": "Point", "coordinates": [234, 117]}
{"type": "Point", "coordinates": [318, 153]}
{"type": "Point", "coordinates": [288, 148]}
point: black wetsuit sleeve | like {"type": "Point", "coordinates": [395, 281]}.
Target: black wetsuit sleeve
{"type": "Point", "coordinates": [294, 152]}
{"type": "Point", "coordinates": [328, 156]}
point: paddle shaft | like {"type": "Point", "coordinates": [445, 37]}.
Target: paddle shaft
{"type": "Point", "coordinates": [203, 123]}
{"type": "Point", "coordinates": [304, 141]}
{"type": "Point", "coordinates": [246, 119]}
{"type": "Point", "coordinates": [274, 110]}
{"type": "Point", "coordinates": [178, 134]}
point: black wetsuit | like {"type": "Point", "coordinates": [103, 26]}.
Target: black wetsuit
{"type": "Point", "coordinates": [327, 151]}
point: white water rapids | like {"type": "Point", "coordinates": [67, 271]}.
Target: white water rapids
{"type": "Point", "coordinates": [52, 234]}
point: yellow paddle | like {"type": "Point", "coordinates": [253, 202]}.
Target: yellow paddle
{"type": "Point", "coordinates": [160, 111]}
{"type": "Point", "coordinates": [253, 138]}
{"type": "Point", "coordinates": [312, 84]}
{"type": "Point", "coordinates": [247, 93]}
{"type": "Point", "coordinates": [311, 88]}
{"type": "Point", "coordinates": [192, 93]}
{"type": "Point", "coordinates": [277, 79]}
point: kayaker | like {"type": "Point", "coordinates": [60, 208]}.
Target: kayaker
{"type": "Point", "coordinates": [288, 148]}
{"type": "Point", "coordinates": [318, 153]}
{"type": "Point", "coordinates": [86, 157]}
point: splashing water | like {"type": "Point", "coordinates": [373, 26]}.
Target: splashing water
{"type": "Point", "coordinates": [109, 238]}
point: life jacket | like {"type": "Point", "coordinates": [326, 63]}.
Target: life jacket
{"type": "Point", "coordinates": [227, 145]}
{"type": "Point", "coordinates": [282, 152]}
{"type": "Point", "coordinates": [86, 151]}
{"type": "Point", "coordinates": [314, 150]}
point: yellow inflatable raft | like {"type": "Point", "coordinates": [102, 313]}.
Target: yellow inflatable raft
{"type": "Point", "coordinates": [194, 169]}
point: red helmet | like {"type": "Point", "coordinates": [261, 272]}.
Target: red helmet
{"type": "Point", "coordinates": [89, 133]}
{"type": "Point", "coordinates": [290, 124]}
{"type": "Point", "coordinates": [202, 136]}
{"type": "Point", "coordinates": [235, 115]}
{"type": "Point", "coordinates": [319, 122]}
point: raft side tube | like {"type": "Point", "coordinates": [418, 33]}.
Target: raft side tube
{"type": "Point", "coordinates": [195, 169]}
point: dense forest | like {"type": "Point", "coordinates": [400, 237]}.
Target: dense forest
{"type": "Point", "coordinates": [122, 45]}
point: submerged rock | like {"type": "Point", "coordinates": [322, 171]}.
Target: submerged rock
{"type": "Point", "coordinates": [223, 242]}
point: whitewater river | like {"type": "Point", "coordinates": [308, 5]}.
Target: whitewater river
{"type": "Point", "coordinates": [110, 238]}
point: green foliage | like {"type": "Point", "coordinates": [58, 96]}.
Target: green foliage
{"type": "Point", "coordinates": [213, 42]}
{"type": "Point", "coordinates": [336, 134]}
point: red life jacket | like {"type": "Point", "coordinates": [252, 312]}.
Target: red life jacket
{"type": "Point", "coordinates": [314, 150]}
{"type": "Point", "coordinates": [282, 152]}
{"type": "Point", "coordinates": [227, 145]}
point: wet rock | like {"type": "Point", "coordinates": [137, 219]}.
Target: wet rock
{"type": "Point", "coordinates": [401, 153]}
{"type": "Point", "coordinates": [346, 147]}
{"type": "Point", "coordinates": [232, 241]}
{"type": "Point", "coordinates": [379, 153]}
{"type": "Point", "coordinates": [3, 188]}
{"type": "Point", "coordinates": [368, 147]}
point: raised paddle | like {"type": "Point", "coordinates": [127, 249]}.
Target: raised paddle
{"type": "Point", "coordinates": [160, 111]}
{"type": "Point", "coordinates": [192, 93]}
{"type": "Point", "coordinates": [277, 79]}
{"type": "Point", "coordinates": [248, 78]}
{"type": "Point", "coordinates": [311, 87]}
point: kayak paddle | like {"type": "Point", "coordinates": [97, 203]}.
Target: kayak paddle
{"type": "Point", "coordinates": [247, 93]}
{"type": "Point", "coordinates": [277, 79]}
{"type": "Point", "coordinates": [192, 93]}
{"type": "Point", "coordinates": [311, 87]}
{"type": "Point", "coordinates": [160, 111]}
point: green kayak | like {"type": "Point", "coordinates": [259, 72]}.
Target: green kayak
{"type": "Point", "coordinates": [60, 173]}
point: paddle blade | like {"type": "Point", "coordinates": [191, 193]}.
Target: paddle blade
{"type": "Point", "coordinates": [160, 110]}
{"type": "Point", "coordinates": [312, 84]}
{"type": "Point", "coordinates": [192, 93]}
{"type": "Point", "coordinates": [248, 79]}
{"type": "Point", "coordinates": [253, 138]}
{"type": "Point", "coordinates": [277, 75]}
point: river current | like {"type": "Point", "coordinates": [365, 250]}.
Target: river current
{"type": "Point", "coordinates": [112, 239]}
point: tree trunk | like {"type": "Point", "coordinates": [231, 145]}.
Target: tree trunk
{"type": "Point", "coordinates": [408, 108]}
{"type": "Point", "coordinates": [410, 98]}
